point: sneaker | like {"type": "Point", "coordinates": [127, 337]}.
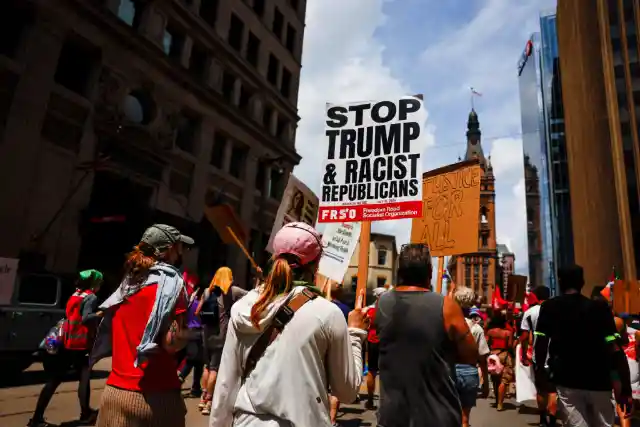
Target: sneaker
{"type": "Point", "coordinates": [203, 402]}
{"type": "Point", "coordinates": [369, 405]}
{"type": "Point", "coordinates": [207, 408]}
{"type": "Point", "coordinates": [88, 418]}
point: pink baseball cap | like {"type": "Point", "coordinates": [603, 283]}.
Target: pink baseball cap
{"type": "Point", "coordinates": [299, 239]}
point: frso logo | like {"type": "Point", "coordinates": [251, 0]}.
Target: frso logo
{"type": "Point", "coordinates": [528, 50]}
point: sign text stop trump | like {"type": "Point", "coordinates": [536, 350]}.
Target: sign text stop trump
{"type": "Point", "coordinates": [373, 169]}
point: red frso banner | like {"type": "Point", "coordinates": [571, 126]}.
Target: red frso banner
{"type": "Point", "coordinates": [379, 212]}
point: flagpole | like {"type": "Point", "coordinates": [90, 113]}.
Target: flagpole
{"type": "Point", "coordinates": [472, 103]}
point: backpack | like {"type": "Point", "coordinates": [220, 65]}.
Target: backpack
{"type": "Point", "coordinates": [210, 311]}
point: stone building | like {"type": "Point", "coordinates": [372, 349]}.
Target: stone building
{"type": "Point", "coordinates": [478, 270]}
{"type": "Point", "coordinates": [118, 113]}
{"type": "Point", "coordinates": [383, 263]}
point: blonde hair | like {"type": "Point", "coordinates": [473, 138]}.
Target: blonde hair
{"type": "Point", "coordinates": [222, 279]}
{"type": "Point", "coordinates": [465, 297]}
{"type": "Point", "coordinates": [278, 281]}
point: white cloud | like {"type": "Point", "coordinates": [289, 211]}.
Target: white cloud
{"type": "Point", "coordinates": [342, 62]}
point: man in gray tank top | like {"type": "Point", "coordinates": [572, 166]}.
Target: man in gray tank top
{"type": "Point", "coordinates": [422, 336]}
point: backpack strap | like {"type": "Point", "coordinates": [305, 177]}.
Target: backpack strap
{"type": "Point", "coordinates": [280, 320]}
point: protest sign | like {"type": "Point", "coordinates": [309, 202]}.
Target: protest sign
{"type": "Point", "coordinates": [299, 204]}
{"type": "Point", "coordinates": [339, 241]}
{"type": "Point", "coordinates": [451, 197]}
{"type": "Point", "coordinates": [373, 167]}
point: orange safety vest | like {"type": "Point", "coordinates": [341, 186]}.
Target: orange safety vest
{"type": "Point", "coordinates": [76, 335]}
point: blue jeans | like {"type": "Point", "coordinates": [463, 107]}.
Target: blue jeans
{"type": "Point", "coordinates": [467, 384]}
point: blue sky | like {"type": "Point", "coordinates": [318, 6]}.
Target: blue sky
{"type": "Point", "coordinates": [377, 49]}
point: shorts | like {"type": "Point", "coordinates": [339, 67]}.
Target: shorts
{"type": "Point", "coordinates": [212, 358]}
{"type": "Point", "coordinates": [584, 408]}
{"type": "Point", "coordinates": [467, 384]}
{"type": "Point", "coordinates": [373, 350]}
{"type": "Point", "coordinates": [125, 408]}
{"type": "Point", "coordinates": [543, 382]}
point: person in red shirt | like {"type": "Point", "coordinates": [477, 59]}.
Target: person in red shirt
{"type": "Point", "coordinates": [147, 394]}
{"type": "Point", "coordinates": [373, 351]}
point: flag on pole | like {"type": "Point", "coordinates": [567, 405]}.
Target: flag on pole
{"type": "Point", "coordinates": [475, 92]}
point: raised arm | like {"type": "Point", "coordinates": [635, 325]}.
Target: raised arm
{"type": "Point", "coordinates": [456, 327]}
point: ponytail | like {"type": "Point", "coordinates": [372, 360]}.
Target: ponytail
{"type": "Point", "coordinates": [139, 262]}
{"type": "Point", "coordinates": [278, 281]}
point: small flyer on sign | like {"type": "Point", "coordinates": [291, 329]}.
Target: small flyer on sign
{"type": "Point", "coordinates": [373, 165]}
{"type": "Point", "coordinates": [339, 241]}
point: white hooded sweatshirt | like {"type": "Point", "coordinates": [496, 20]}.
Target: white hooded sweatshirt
{"type": "Point", "coordinates": [289, 385]}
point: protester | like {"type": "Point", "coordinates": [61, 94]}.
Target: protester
{"type": "Point", "coordinates": [422, 335]}
{"type": "Point", "coordinates": [546, 397]}
{"type": "Point", "coordinates": [336, 296]}
{"type": "Point", "coordinates": [629, 346]}
{"type": "Point", "coordinates": [586, 360]}
{"type": "Point", "coordinates": [467, 377]}
{"type": "Point", "coordinates": [215, 311]}
{"type": "Point", "coordinates": [501, 338]}
{"type": "Point", "coordinates": [373, 350]}
{"type": "Point", "coordinates": [266, 381]}
{"type": "Point", "coordinates": [194, 358]}
{"type": "Point", "coordinates": [78, 331]}
{"type": "Point", "coordinates": [146, 318]}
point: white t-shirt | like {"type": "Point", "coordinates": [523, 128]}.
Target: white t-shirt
{"type": "Point", "coordinates": [478, 336]}
{"type": "Point", "coordinates": [533, 313]}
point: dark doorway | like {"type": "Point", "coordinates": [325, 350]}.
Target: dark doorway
{"type": "Point", "coordinates": [112, 224]}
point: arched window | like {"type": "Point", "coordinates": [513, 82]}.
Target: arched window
{"type": "Point", "coordinates": [483, 214]}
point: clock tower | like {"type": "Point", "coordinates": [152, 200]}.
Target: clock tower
{"type": "Point", "coordinates": [478, 270]}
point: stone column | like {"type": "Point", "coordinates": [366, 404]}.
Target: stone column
{"type": "Point", "coordinates": [21, 142]}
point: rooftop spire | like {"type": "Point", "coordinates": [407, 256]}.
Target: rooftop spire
{"type": "Point", "coordinates": [474, 147]}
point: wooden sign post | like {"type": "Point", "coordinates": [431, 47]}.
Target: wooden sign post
{"type": "Point", "coordinates": [440, 274]}
{"type": "Point", "coordinates": [363, 264]}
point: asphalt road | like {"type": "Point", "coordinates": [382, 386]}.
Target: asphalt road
{"type": "Point", "coordinates": [18, 400]}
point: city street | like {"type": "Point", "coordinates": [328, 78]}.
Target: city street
{"type": "Point", "coordinates": [18, 401]}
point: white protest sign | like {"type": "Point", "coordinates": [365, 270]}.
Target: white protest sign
{"type": "Point", "coordinates": [373, 167]}
{"type": "Point", "coordinates": [339, 240]}
{"type": "Point", "coordinates": [8, 273]}
{"type": "Point", "coordinates": [299, 204]}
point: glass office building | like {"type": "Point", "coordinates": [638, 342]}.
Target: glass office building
{"type": "Point", "coordinates": [549, 230]}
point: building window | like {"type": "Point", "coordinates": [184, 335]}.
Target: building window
{"type": "Point", "coordinates": [198, 62]}
{"type": "Point", "coordinates": [253, 49]}
{"type": "Point", "coordinates": [381, 282]}
{"type": "Point", "coordinates": [187, 132]}
{"type": "Point", "coordinates": [285, 87]}
{"type": "Point", "coordinates": [236, 32]}
{"type": "Point", "coordinates": [76, 65]}
{"type": "Point", "coordinates": [228, 86]}
{"type": "Point", "coordinates": [354, 282]}
{"type": "Point", "coordinates": [245, 98]}
{"type": "Point", "coordinates": [272, 71]}
{"type": "Point", "coordinates": [172, 43]}
{"type": "Point", "coordinates": [467, 274]}
{"type": "Point", "coordinates": [181, 176]}
{"type": "Point", "coordinates": [382, 256]}
{"type": "Point", "coordinates": [209, 11]}
{"type": "Point", "coordinates": [281, 129]}
{"type": "Point", "coordinates": [294, 4]}
{"type": "Point", "coordinates": [218, 151]}
{"type": "Point", "coordinates": [130, 12]}
{"type": "Point", "coordinates": [290, 42]}
{"type": "Point", "coordinates": [261, 175]}
{"type": "Point", "coordinates": [276, 183]}
{"type": "Point", "coordinates": [267, 115]}
{"type": "Point", "coordinates": [278, 23]}
{"type": "Point", "coordinates": [138, 107]}
{"type": "Point", "coordinates": [485, 241]}
{"type": "Point", "coordinates": [238, 161]}
{"type": "Point", "coordinates": [15, 18]}
{"type": "Point", "coordinates": [258, 7]}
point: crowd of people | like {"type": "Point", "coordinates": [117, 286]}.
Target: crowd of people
{"type": "Point", "coordinates": [285, 354]}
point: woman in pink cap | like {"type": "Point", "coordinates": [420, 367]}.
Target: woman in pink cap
{"type": "Point", "coordinates": [286, 345]}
